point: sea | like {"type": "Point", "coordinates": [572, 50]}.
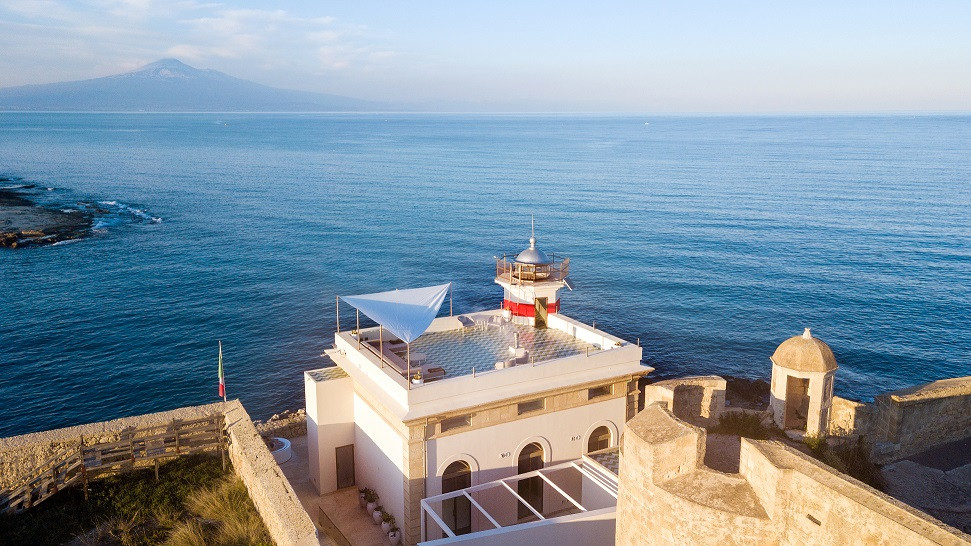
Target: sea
{"type": "Point", "coordinates": [708, 240]}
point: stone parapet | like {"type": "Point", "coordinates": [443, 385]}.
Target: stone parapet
{"type": "Point", "coordinates": [699, 400]}
{"type": "Point", "coordinates": [849, 417]}
{"type": "Point", "coordinates": [780, 496]}
{"type": "Point", "coordinates": [270, 491]}
{"type": "Point", "coordinates": [912, 420]}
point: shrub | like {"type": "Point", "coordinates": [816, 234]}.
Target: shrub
{"type": "Point", "coordinates": [855, 457]}
{"type": "Point", "coordinates": [816, 443]}
{"type": "Point", "coordinates": [738, 423]}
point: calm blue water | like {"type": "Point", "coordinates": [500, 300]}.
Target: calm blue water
{"type": "Point", "coordinates": [710, 239]}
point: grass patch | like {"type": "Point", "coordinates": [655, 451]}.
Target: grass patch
{"type": "Point", "coordinates": [134, 509]}
{"type": "Point", "coordinates": [746, 425]}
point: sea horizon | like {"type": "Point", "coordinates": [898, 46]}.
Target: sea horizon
{"type": "Point", "coordinates": [711, 238]}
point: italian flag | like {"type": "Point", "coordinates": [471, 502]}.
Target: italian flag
{"type": "Point", "coordinates": [222, 378]}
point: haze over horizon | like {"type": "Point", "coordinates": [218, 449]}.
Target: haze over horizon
{"type": "Point", "coordinates": [752, 57]}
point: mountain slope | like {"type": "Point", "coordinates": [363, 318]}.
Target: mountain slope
{"type": "Point", "coordinates": [169, 85]}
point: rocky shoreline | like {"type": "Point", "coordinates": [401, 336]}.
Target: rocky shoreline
{"type": "Point", "coordinates": [24, 223]}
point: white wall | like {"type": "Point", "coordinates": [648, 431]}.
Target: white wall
{"type": "Point", "coordinates": [330, 424]}
{"type": "Point", "coordinates": [379, 457]}
{"type": "Point", "coordinates": [495, 449]}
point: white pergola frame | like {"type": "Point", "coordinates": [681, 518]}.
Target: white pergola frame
{"type": "Point", "coordinates": [586, 466]}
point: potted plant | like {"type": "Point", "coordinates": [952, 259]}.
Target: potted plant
{"type": "Point", "coordinates": [376, 514]}
{"type": "Point", "coordinates": [372, 500]}
{"type": "Point", "coordinates": [387, 522]}
{"type": "Point", "coordinates": [360, 496]}
{"type": "Point", "coordinates": [394, 535]}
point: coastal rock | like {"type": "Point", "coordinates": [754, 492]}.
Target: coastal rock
{"type": "Point", "coordinates": [25, 223]}
{"type": "Point", "coordinates": [286, 424]}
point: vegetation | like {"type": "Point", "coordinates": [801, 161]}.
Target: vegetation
{"type": "Point", "coordinates": [848, 455]}
{"type": "Point", "coordinates": [738, 423]}
{"type": "Point", "coordinates": [194, 502]}
{"type": "Point", "coordinates": [370, 495]}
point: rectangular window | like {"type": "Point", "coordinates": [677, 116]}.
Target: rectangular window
{"type": "Point", "coordinates": [532, 405]}
{"type": "Point", "coordinates": [597, 392]}
{"type": "Point", "coordinates": [456, 422]}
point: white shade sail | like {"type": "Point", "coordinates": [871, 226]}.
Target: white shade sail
{"type": "Point", "coordinates": [406, 313]}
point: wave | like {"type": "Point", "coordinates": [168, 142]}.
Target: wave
{"type": "Point", "coordinates": [132, 211]}
{"type": "Point", "coordinates": [112, 213]}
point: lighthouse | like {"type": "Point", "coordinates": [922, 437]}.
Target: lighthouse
{"type": "Point", "coordinates": [531, 284]}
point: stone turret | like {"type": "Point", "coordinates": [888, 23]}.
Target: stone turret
{"type": "Point", "coordinates": [803, 368]}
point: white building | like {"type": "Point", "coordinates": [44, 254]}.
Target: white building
{"type": "Point", "coordinates": [491, 395]}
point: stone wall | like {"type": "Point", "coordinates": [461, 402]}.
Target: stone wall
{"type": "Point", "coordinates": [21, 454]}
{"type": "Point", "coordinates": [666, 496]}
{"type": "Point", "coordinates": [270, 491]}
{"type": "Point", "coordinates": [911, 420]}
{"type": "Point", "coordinates": [849, 417]}
{"type": "Point", "coordinates": [699, 400]}
{"type": "Point", "coordinates": [779, 496]}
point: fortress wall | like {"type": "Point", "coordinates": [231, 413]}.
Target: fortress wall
{"type": "Point", "coordinates": [657, 448]}
{"type": "Point", "coordinates": [21, 454]}
{"type": "Point", "coordinates": [667, 497]}
{"type": "Point", "coordinates": [270, 491]}
{"type": "Point", "coordinates": [849, 417]}
{"type": "Point", "coordinates": [814, 504]}
{"type": "Point", "coordinates": [911, 420]}
{"type": "Point", "coordinates": [693, 399]}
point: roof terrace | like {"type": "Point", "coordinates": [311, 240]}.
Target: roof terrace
{"type": "Point", "coordinates": [475, 358]}
{"type": "Point", "coordinates": [479, 343]}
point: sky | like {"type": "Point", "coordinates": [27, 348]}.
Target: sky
{"type": "Point", "coordinates": [636, 56]}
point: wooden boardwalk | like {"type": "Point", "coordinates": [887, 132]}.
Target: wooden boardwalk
{"type": "Point", "coordinates": [137, 448]}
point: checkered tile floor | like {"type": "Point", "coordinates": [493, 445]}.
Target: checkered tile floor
{"type": "Point", "coordinates": [608, 458]}
{"type": "Point", "coordinates": [481, 346]}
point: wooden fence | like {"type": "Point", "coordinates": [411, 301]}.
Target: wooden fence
{"type": "Point", "coordinates": [136, 448]}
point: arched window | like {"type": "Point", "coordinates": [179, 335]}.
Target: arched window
{"type": "Point", "coordinates": [457, 511]}
{"type": "Point", "coordinates": [531, 489]}
{"type": "Point", "coordinates": [599, 439]}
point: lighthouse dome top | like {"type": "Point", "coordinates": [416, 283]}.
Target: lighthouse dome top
{"type": "Point", "coordinates": [533, 255]}
{"type": "Point", "coordinates": [805, 353]}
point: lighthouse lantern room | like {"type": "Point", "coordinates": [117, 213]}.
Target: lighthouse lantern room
{"type": "Point", "coordinates": [531, 283]}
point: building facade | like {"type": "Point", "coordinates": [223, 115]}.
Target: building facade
{"type": "Point", "coordinates": [476, 398]}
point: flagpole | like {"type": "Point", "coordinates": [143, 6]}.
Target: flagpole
{"type": "Point", "coordinates": [222, 376]}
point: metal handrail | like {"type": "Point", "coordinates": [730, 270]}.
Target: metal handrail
{"type": "Point", "coordinates": [520, 273]}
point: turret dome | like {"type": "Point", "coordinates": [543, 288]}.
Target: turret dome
{"type": "Point", "coordinates": [805, 353]}
{"type": "Point", "coordinates": [533, 255]}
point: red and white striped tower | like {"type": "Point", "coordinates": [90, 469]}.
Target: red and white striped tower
{"type": "Point", "coordinates": [531, 284]}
